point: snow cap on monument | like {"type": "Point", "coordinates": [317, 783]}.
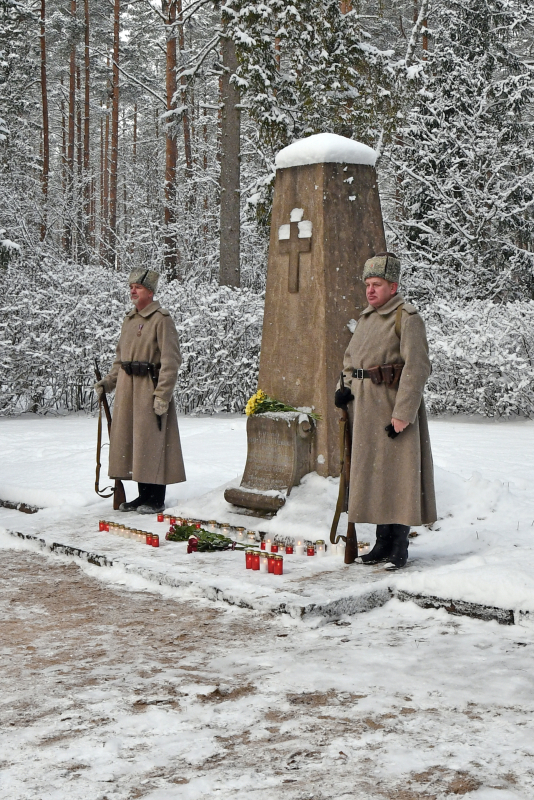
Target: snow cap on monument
{"type": "Point", "coordinates": [325, 148]}
{"type": "Point", "coordinates": [382, 265]}
{"type": "Point", "coordinates": [144, 277]}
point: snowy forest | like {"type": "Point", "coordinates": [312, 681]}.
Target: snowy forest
{"type": "Point", "coordinates": [143, 133]}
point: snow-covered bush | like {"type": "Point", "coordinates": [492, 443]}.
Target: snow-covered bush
{"type": "Point", "coordinates": [56, 321]}
{"type": "Point", "coordinates": [482, 358]}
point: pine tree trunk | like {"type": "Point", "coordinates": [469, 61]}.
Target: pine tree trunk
{"type": "Point", "coordinates": [113, 171]}
{"type": "Point", "coordinates": [185, 116]}
{"type": "Point", "coordinates": [104, 214]}
{"type": "Point", "coordinates": [46, 133]}
{"type": "Point", "coordinates": [70, 139]}
{"type": "Point", "coordinates": [229, 271]}
{"type": "Point", "coordinates": [171, 253]}
{"type": "Point", "coordinates": [78, 204]}
{"type": "Point", "coordinates": [134, 149]}
{"type": "Point", "coordinates": [87, 183]}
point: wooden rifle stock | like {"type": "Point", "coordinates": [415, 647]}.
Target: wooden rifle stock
{"type": "Point", "coordinates": [345, 452]}
{"type": "Point", "coordinates": [119, 495]}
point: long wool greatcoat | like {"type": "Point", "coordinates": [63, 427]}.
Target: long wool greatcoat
{"type": "Point", "coordinates": [138, 450]}
{"type": "Point", "coordinates": [391, 480]}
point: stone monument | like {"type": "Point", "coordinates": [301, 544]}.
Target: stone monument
{"type": "Point", "coordinates": [326, 221]}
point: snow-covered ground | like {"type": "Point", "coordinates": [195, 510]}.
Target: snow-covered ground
{"type": "Point", "coordinates": [115, 688]}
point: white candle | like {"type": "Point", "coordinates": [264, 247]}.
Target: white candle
{"type": "Point", "coordinates": [332, 549]}
{"type": "Point", "coordinates": [320, 551]}
{"type": "Point", "coordinates": [299, 549]}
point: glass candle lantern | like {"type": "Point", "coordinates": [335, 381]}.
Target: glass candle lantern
{"type": "Point", "coordinates": [310, 550]}
{"type": "Point", "coordinates": [251, 536]}
{"type": "Point", "coordinates": [101, 525]}
{"type": "Point", "coordinates": [155, 540]}
{"type": "Point", "coordinates": [320, 548]}
{"type": "Point", "coordinates": [148, 539]}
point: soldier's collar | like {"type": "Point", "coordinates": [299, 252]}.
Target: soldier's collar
{"type": "Point", "coordinates": [146, 312]}
{"type": "Point", "coordinates": [387, 308]}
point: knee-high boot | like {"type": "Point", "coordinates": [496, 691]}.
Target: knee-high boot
{"type": "Point", "coordinates": [382, 548]}
{"type": "Point", "coordinates": [399, 552]}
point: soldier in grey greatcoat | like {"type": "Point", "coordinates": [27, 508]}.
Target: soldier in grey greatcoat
{"type": "Point", "coordinates": [145, 442]}
{"type": "Point", "coordinates": [386, 367]}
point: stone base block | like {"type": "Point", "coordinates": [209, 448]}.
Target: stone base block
{"type": "Point", "coordinates": [279, 454]}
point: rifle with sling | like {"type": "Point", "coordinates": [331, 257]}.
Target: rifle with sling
{"type": "Point", "coordinates": [345, 449]}
{"type": "Point", "coordinates": [118, 493]}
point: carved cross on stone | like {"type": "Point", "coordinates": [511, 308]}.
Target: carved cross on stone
{"type": "Point", "coordinates": [295, 239]}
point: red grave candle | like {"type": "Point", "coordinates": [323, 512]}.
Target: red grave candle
{"type": "Point", "coordinates": [311, 550]}
{"type": "Point", "coordinates": [248, 559]}
{"type": "Point", "coordinates": [148, 538]}
{"type": "Point", "coordinates": [270, 563]}
{"type": "Point", "coordinates": [173, 520]}
{"type": "Point", "coordinates": [106, 527]}
{"type": "Point", "coordinates": [155, 540]}
{"type": "Point", "coordinates": [101, 525]}
{"type": "Point", "coordinates": [161, 517]}
{"type": "Point", "coordinates": [278, 565]}
{"type": "Point", "coordinates": [256, 560]}
{"type": "Point", "coordinates": [262, 546]}
{"type": "Point", "coordinates": [289, 549]}
{"type": "Point", "coordinates": [274, 548]}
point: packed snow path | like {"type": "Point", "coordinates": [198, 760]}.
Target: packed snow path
{"type": "Point", "coordinates": [109, 694]}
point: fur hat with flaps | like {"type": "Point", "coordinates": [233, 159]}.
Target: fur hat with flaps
{"type": "Point", "coordinates": [382, 265]}
{"type": "Point", "coordinates": [144, 277]}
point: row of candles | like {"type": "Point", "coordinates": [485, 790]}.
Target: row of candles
{"type": "Point", "coordinates": [267, 544]}
{"type": "Point", "coordinates": [145, 537]}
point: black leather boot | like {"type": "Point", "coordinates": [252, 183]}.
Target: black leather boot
{"type": "Point", "coordinates": [382, 548]}
{"type": "Point", "coordinates": [399, 551]}
{"type": "Point", "coordinates": [133, 505]}
{"type": "Point", "coordinates": [154, 499]}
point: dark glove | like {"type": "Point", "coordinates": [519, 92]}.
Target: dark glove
{"type": "Point", "coordinates": [343, 397]}
{"type": "Point", "coordinates": [391, 432]}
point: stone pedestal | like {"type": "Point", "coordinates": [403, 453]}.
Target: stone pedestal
{"type": "Point", "coordinates": [326, 222]}
{"type": "Point", "coordinates": [279, 454]}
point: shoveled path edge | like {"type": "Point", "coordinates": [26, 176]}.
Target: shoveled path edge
{"type": "Point", "coordinates": [374, 598]}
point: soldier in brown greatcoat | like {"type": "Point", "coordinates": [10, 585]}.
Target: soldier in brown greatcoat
{"type": "Point", "coordinates": [386, 366]}
{"type": "Point", "coordinates": [145, 443]}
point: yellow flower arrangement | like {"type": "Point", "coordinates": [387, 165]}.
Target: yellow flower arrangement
{"type": "Point", "coordinates": [255, 401]}
{"type": "Point", "coordinates": [259, 403]}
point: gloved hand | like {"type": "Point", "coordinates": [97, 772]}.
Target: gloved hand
{"type": "Point", "coordinates": [343, 397]}
{"type": "Point", "coordinates": [160, 406]}
{"type": "Point", "coordinates": [99, 388]}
